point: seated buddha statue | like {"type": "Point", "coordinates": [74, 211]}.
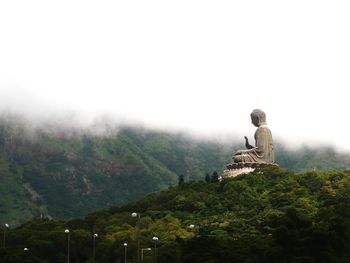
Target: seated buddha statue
{"type": "Point", "coordinates": [263, 151]}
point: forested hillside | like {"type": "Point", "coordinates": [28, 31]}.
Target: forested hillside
{"type": "Point", "coordinates": [71, 173]}
{"type": "Point", "coordinates": [268, 216]}
{"type": "Point", "coordinates": [61, 172]}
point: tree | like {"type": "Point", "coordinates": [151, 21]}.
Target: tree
{"type": "Point", "coordinates": [181, 180]}
{"type": "Point", "coordinates": [215, 177]}
{"type": "Point", "coordinates": [207, 178]}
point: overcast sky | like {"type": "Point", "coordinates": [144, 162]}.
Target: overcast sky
{"type": "Point", "coordinates": [199, 66]}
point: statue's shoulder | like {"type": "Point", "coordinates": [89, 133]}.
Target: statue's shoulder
{"type": "Point", "coordinates": [262, 131]}
{"type": "Point", "coordinates": [262, 128]}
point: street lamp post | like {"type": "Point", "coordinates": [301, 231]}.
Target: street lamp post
{"type": "Point", "coordinates": [144, 249]}
{"type": "Point", "coordinates": [25, 252]}
{"type": "Point", "coordinates": [68, 243]}
{"type": "Point", "coordinates": [94, 247]}
{"type": "Point", "coordinates": [125, 251]}
{"type": "Point", "coordinates": [155, 240]}
{"type": "Point", "coordinates": [4, 242]}
{"type": "Point", "coordinates": [138, 215]}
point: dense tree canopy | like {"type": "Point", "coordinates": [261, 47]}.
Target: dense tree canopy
{"type": "Point", "coordinates": [265, 216]}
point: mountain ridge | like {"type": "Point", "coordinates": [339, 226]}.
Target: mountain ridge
{"type": "Point", "coordinates": [69, 174]}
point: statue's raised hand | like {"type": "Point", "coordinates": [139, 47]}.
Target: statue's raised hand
{"type": "Point", "coordinates": [247, 145]}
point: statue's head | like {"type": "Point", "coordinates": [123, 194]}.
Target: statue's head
{"type": "Point", "coordinates": [258, 117]}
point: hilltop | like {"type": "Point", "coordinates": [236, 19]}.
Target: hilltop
{"type": "Point", "coordinates": [65, 173]}
{"type": "Point", "coordinates": [266, 216]}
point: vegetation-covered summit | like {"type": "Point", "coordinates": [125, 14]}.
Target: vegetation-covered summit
{"type": "Point", "coordinates": [265, 216]}
{"type": "Point", "coordinates": [66, 173]}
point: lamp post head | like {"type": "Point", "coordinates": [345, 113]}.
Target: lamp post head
{"type": "Point", "coordinates": [125, 244]}
{"type": "Point", "coordinates": [66, 231]}
{"type": "Point", "coordinates": [7, 225]}
{"type": "Point", "coordinates": [134, 214]}
{"type": "Point", "coordinates": [155, 239]}
{"type": "Point", "coordinates": [95, 235]}
{"type": "Point", "coordinates": [26, 249]}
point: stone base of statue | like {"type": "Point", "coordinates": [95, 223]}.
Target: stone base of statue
{"type": "Point", "coordinates": [234, 169]}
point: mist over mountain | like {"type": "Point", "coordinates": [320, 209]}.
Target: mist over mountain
{"type": "Point", "coordinates": [66, 171]}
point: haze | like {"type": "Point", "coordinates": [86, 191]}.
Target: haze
{"type": "Point", "coordinates": [197, 66]}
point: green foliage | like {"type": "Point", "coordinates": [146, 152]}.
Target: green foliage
{"type": "Point", "coordinates": [67, 174]}
{"type": "Point", "coordinates": [207, 178]}
{"type": "Point", "coordinates": [269, 215]}
{"type": "Point", "coordinates": [60, 173]}
{"type": "Point", "coordinates": [215, 177]}
{"type": "Point", "coordinates": [181, 180]}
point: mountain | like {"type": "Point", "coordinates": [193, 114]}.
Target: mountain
{"type": "Point", "coordinates": [53, 171]}
{"type": "Point", "coordinates": [68, 173]}
{"type": "Point", "coordinates": [268, 216]}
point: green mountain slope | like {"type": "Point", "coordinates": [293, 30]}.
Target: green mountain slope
{"type": "Point", "coordinates": [266, 216]}
{"type": "Point", "coordinates": [69, 173]}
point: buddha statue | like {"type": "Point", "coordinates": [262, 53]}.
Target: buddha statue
{"type": "Point", "coordinates": [263, 151]}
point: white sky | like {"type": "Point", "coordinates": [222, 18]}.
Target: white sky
{"type": "Point", "coordinates": [201, 66]}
